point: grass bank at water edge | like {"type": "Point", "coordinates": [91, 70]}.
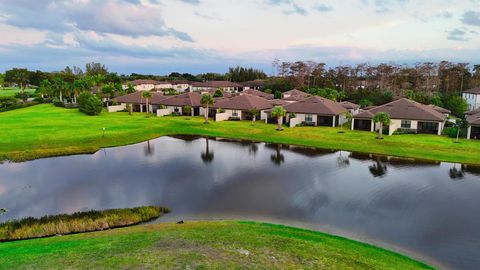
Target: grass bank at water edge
{"type": "Point", "coordinates": [201, 245]}
{"type": "Point", "coordinates": [78, 222]}
{"type": "Point", "coordinates": [44, 130]}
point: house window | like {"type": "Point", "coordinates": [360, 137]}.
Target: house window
{"type": "Point", "coordinates": [308, 118]}
{"type": "Point", "coordinates": [234, 113]}
{"type": "Point", "coordinates": [406, 124]}
{"type": "Point", "coordinates": [176, 109]}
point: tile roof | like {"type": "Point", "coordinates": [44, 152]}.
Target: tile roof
{"type": "Point", "coordinates": [139, 82]}
{"type": "Point", "coordinates": [243, 102]}
{"type": "Point", "coordinates": [258, 93]}
{"type": "Point", "coordinates": [316, 105]}
{"type": "Point", "coordinates": [475, 90]}
{"type": "Point", "coordinates": [216, 84]}
{"type": "Point", "coordinates": [440, 109]}
{"type": "Point", "coordinates": [405, 109]}
{"type": "Point", "coordinates": [189, 98]}
{"type": "Point", "coordinates": [349, 105]}
{"type": "Point", "coordinates": [474, 119]}
{"type": "Point", "coordinates": [136, 98]}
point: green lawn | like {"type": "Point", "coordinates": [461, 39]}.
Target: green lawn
{"type": "Point", "coordinates": [10, 92]}
{"type": "Point", "coordinates": [45, 130]}
{"type": "Point", "coordinates": [200, 245]}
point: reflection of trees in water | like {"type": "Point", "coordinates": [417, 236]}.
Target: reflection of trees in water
{"type": "Point", "coordinates": [378, 168]}
{"type": "Point", "coordinates": [149, 149]}
{"type": "Point", "coordinates": [253, 149]}
{"type": "Point", "coordinates": [278, 157]}
{"type": "Point", "coordinates": [207, 156]}
{"type": "Point", "coordinates": [456, 173]}
{"type": "Point", "coordinates": [343, 161]}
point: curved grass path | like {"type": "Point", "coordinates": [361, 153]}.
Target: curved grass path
{"type": "Point", "coordinates": [44, 130]}
{"type": "Point", "coordinates": [200, 245]}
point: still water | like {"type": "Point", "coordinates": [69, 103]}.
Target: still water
{"type": "Point", "coordinates": [427, 210]}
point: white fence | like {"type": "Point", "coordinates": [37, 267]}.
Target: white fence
{"type": "Point", "coordinates": [295, 121]}
{"type": "Point", "coordinates": [117, 108]}
{"type": "Point", "coordinates": [162, 112]}
{"type": "Point", "coordinates": [222, 116]}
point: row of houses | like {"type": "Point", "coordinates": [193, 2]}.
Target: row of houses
{"type": "Point", "coordinates": [302, 109]}
{"type": "Point", "coordinates": [188, 86]}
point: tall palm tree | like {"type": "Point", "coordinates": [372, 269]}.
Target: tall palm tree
{"type": "Point", "coordinates": [279, 112]}
{"type": "Point", "coordinates": [382, 118]}
{"type": "Point", "coordinates": [206, 101]}
{"type": "Point", "coordinates": [146, 95]}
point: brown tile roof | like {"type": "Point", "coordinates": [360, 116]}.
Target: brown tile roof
{"type": "Point", "coordinates": [295, 95]}
{"type": "Point", "coordinates": [472, 112]}
{"type": "Point", "coordinates": [256, 83]}
{"type": "Point", "coordinates": [474, 119]}
{"type": "Point", "coordinates": [189, 98]}
{"type": "Point", "coordinates": [475, 90]}
{"type": "Point", "coordinates": [404, 109]}
{"type": "Point", "coordinates": [440, 109]}
{"type": "Point", "coordinates": [279, 102]}
{"type": "Point", "coordinates": [139, 82]}
{"type": "Point", "coordinates": [295, 92]}
{"type": "Point", "coordinates": [258, 93]}
{"type": "Point", "coordinates": [349, 105]}
{"type": "Point", "coordinates": [216, 84]}
{"type": "Point", "coordinates": [243, 102]}
{"type": "Point", "coordinates": [136, 98]}
{"type": "Point", "coordinates": [316, 105]}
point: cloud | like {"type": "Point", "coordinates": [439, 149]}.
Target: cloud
{"type": "Point", "coordinates": [384, 6]}
{"type": "Point", "coordinates": [323, 7]}
{"type": "Point", "coordinates": [457, 35]}
{"type": "Point", "coordinates": [130, 18]}
{"type": "Point", "coordinates": [293, 7]}
{"type": "Point", "coordinates": [192, 2]}
{"type": "Point", "coordinates": [471, 18]}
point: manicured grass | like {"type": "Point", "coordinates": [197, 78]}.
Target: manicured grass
{"type": "Point", "coordinates": [78, 222]}
{"type": "Point", "coordinates": [10, 92]}
{"type": "Point", "coordinates": [200, 245]}
{"type": "Point", "coordinates": [45, 130]}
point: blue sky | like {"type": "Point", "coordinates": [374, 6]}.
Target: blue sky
{"type": "Point", "coordinates": [160, 36]}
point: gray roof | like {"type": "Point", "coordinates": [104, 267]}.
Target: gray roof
{"type": "Point", "coordinates": [136, 98]}
{"type": "Point", "coordinates": [316, 105]}
{"type": "Point", "coordinates": [243, 102]}
{"type": "Point", "coordinates": [475, 90]}
{"type": "Point", "coordinates": [404, 109]}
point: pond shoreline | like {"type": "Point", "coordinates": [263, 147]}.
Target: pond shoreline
{"type": "Point", "coordinates": [69, 132]}
{"type": "Point", "coordinates": [23, 157]}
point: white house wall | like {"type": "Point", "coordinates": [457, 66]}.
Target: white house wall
{"type": "Point", "coordinates": [473, 100]}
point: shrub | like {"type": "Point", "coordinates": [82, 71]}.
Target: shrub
{"type": "Point", "coordinates": [78, 222]}
{"type": "Point", "coordinates": [187, 110]}
{"type": "Point", "coordinates": [218, 92]}
{"type": "Point", "coordinates": [57, 102]}
{"type": "Point", "coordinates": [89, 104]}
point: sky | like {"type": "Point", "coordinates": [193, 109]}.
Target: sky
{"type": "Point", "coordinates": [162, 36]}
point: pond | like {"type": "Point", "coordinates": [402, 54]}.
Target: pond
{"type": "Point", "coordinates": [428, 210]}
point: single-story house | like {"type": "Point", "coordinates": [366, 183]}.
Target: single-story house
{"type": "Point", "coordinates": [316, 111]}
{"type": "Point", "coordinates": [176, 104]}
{"type": "Point", "coordinates": [256, 85]}
{"type": "Point", "coordinates": [258, 93]}
{"type": "Point", "coordinates": [295, 95]}
{"type": "Point", "coordinates": [473, 119]}
{"type": "Point", "coordinates": [238, 107]}
{"type": "Point", "coordinates": [350, 106]}
{"type": "Point", "coordinates": [406, 115]}
{"type": "Point", "coordinates": [472, 96]}
{"type": "Point", "coordinates": [138, 102]}
{"type": "Point", "coordinates": [225, 85]}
